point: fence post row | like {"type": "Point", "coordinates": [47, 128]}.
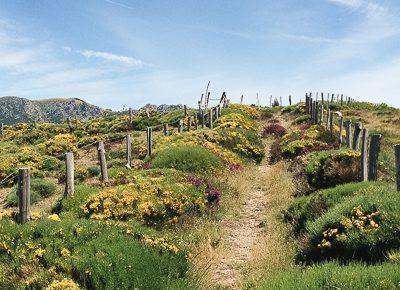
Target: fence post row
{"type": "Point", "coordinates": [102, 160]}
{"type": "Point", "coordinates": [70, 174]}
{"type": "Point", "coordinates": [364, 155]}
{"type": "Point", "coordinates": [373, 157]}
{"type": "Point", "coordinates": [128, 152]}
{"type": "Point", "coordinates": [397, 154]}
{"type": "Point", "coordinates": [149, 133]}
{"type": "Point", "coordinates": [24, 195]}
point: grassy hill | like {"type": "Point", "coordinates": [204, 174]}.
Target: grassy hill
{"type": "Point", "coordinates": [173, 220]}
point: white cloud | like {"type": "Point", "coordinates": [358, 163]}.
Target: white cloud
{"type": "Point", "coordinates": [112, 57]}
{"type": "Point", "coordinates": [120, 4]}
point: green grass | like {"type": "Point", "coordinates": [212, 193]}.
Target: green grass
{"type": "Point", "coordinates": [336, 276]}
{"type": "Point", "coordinates": [73, 203]}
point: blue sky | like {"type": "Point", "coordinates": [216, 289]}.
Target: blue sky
{"type": "Point", "coordinates": [117, 53]}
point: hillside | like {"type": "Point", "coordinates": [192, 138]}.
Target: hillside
{"type": "Point", "coordinates": [251, 198]}
{"type": "Point", "coordinates": [15, 109]}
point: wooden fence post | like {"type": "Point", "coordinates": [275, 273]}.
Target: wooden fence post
{"type": "Point", "coordinates": [219, 111]}
{"type": "Point", "coordinates": [202, 119]}
{"type": "Point", "coordinates": [364, 155]}
{"type": "Point", "coordinates": [128, 152]}
{"type": "Point", "coordinates": [185, 110]}
{"type": "Point", "coordinates": [210, 119]}
{"type": "Point", "coordinates": [331, 122]}
{"type": "Point", "coordinates": [189, 122]}
{"type": "Point", "coordinates": [70, 174]}
{"type": "Point", "coordinates": [165, 129]}
{"type": "Point", "coordinates": [397, 154]}
{"type": "Point", "coordinates": [373, 157]}
{"type": "Point", "coordinates": [2, 129]}
{"type": "Point", "coordinates": [290, 100]}
{"type": "Point", "coordinates": [356, 136]}
{"type": "Point", "coordinates": [24, 195]}
{"type": "Point", "coordinates": [102, 160]}
{"type": "Point", "coordinates": [341, 130]}
{"type": "Point", "coordinates": [270, 101]}
{"type": "Point", "coordinates": [180, 126]}
{"type": "Point", "coordinates": [196, 123]}
{"type": "Point", "coordinates": [241, 99]}
{"type": "Point", "coordinates": [71, 128]}
{"type": "Point", "coordinates": [130, 119]}
{"type": "Point", "coordinates": [341, 100]}
{"type": "Point", "coordinates": [316, 109]}
{"type": "Point", "coordinates": [348, 133]}
{"type": "Point", "coordinates": [322, 98]}
{"type": "Point", "coordinates": [321, 115]}
{"type": "Point", "coordinates": [328, 118]}
{"type": "Point", "coordinates": [149, 133]}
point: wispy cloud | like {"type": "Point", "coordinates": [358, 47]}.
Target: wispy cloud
{"type": "Point", "coordinates": [120, 4]}
{"type": "Point", "coordinates": [311, 38]}
{"type": "Point", "coordinates": [126, 60]}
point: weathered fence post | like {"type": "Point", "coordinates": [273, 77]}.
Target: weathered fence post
{"type": "Point", "coordinates": [322, 98]}
{"type": "Point", "coordinates": [199, 103]}
{"type": "Point", "coordinates": [316, 109]}
{"type": "Point", "coordinates": [185, 110]}
{"type": "Point", "coordinates": [397, 154]}
{"type": "Point", "coordinates": [373, 157]}
{"type": "Point", "coordinates": [71, 128]}
{"type": "Point", "coordinates": [149, 135]}
{"type": "Point", "coordinates": [1, 129]}
{"type": "Point", "coordinates": [130, 119]}
{"type": "Point", "coordinates": [241, 99]}
{"type": "Point", "coordinates": [165, 129]}
{"type": "Point", "coordinates": [189, 122]}
{"type": "Point", "coordinates": [210, 119]}
{"type": "Point", "coordinates": [70, 174]}
{"type": "Point", "coordinates": [341, 100]}
{"type": "Point", "coordinates": [331, 122]}
{"type": "Point", "coordinates": [321, 115]}
{"type": "Point", "coordinates": [328, 118]}
{"type": "Point", "coordinates": [290, 100]}
{"type": "Point", "coordinates": [348, 133]}
{"type": "Point", "coordinates": [270, 101]}
{"type": "Point", "coordinates": [356, 136]}
{"type": "Point", "coordinates": [196, 123]}
{"type": "Point", "coordinates": [102, 160]}
{"type": "Point", "coordinates": [219, 111]}
{"type": "Point", "coordinates": [364, 155]}
{"type": "Point", "coordinates": [202, 119]}
{"type": "Point", "coordinates": [24, 195]}
{"type": "Point", "coordinates": [341, 130]}
{"type": "Point", "coordinates": [128, 152]}
{"type": "Point", "coordinates": [180, 126]}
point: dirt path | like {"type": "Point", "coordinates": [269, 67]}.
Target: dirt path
{"type": "Point", "coordinates": [243, 233]}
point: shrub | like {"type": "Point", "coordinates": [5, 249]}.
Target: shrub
{"type": "Point", "coordinates": [335, 276]}
{"type": "Point", "coordinates": [333, 167]}
{"type": "Point", "coordinates": [364, 227]}
{"type": "Point", "coordinates": [274, 129]}
{"type": "Point", "coordinates": [190, 158]}
{"type": "Point", "coordinates": [155, 197]}
{"type": "Point", "coordinates": [301, 120]}
{"type": "Point", "coordinates": [40, 188]}
{"type": "Point", "coordinates": [307, 208]}
{"type": "Point", "coordinates": [94, 171]}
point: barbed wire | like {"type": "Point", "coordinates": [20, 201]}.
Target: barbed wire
{"type": "Point", "coordinates": [8, 177]}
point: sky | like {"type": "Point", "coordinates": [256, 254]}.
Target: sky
{"type": "Point", "coordinates": [127, 53]}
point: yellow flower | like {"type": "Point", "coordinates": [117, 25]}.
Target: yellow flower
{"type": "Point", "coordinates": [65, 252]}
{"type": "Point", "coordinates": [66, 284]}
{"type": "Point", "coordinates": [54, 217]}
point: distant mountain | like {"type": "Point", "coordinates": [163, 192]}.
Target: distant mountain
{"type": "Point", "coordinates": [15, 109]}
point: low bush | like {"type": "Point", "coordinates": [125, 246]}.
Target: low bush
{"type": "Point", "coordinates": [40, 188]}
{"type": "Point", "coordinates": [308, 208]}
{"type": "Point", "coordinates": [189, 158]}
{"type": "Point", "coordinates": [275, 129]}
{"type": "Point", "coordinates": [363, 227]}
{"type": "Point", "coordinates": [153, 197]}
{"type": "Point", "coordinates": [329, 168]}
{"type": "Point", "coordinates": [336, 276]}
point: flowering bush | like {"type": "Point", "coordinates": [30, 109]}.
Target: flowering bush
{"type": "Point", "coordinates": [364, 226]}
{"type": "Point", "coordinates": [274, 129]}
{"type": "Point", "coordinates": [61, 143]}
{"type": "Point", "coordinates": [235, 120]}
{"type": "Point", "coordinates": [154, 197]}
